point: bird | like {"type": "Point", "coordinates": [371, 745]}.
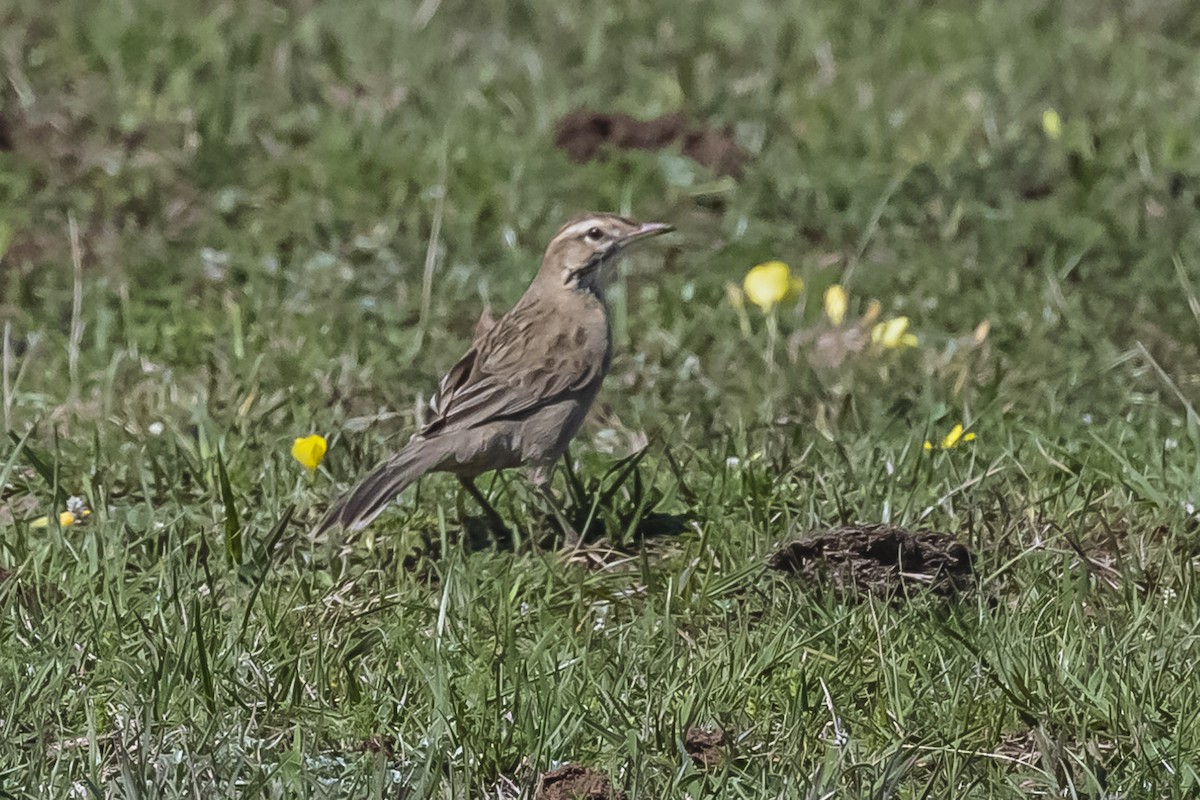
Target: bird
{"type": "Point", "coordinates": [521, 392]}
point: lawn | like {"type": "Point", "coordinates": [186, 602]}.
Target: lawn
{"type": "Point", "coordinates": [227, 225]}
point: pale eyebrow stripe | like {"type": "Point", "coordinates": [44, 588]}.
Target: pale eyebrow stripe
{"type": "Point", "coordinates": [579, 227]}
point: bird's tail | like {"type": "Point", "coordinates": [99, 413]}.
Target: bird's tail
{"type": "Point", "coordinates": [355, 509]}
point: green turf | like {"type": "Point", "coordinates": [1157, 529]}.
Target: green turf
{"type": "Point", "coordinates": [253, 190]}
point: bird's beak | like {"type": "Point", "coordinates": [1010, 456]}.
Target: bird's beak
{"type": "Point", "coordinates": [606, 256]}
{"type": "Point", "coordinates": [646, 230]}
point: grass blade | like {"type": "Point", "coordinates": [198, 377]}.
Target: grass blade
{"type": "Point", "coordinates": [39, 465]}
{"type": "Point", "coordinates": [206, 680]}
{"type": "Point", "coordinates": [272, 540]}
{"type": "Point", "coordinates": [233, 527]}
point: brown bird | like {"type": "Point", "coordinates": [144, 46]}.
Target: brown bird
{"type": "Point", "coordinates": [521, 392]}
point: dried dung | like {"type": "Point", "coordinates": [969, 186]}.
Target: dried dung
{"type": "Point", "coordinates": [882, 560]}
{"type": "Point", "coordinates": [706, 747]}
{"type": "Point", "coordinates": [587, 135]}
{"type": "Point", "coordinates": [715, 149]}
{"type": "Point", "coordinates": [574, 782]}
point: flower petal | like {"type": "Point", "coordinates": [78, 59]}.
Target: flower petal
{"type": "Point", "coordinates": [953, 436]}
{"type": "Point", "coordinates": [309, 451]}
{"type": "Point", "coordinates": [1052, 124]}
{"type": "Point", "coordinates": [836, 303]}
{"type": "Point", "coordinates": [769, 284]}
{"type": "Point", "coordinates": [892, 334]}
{"type": "Point", "coordinates": [65, 519]}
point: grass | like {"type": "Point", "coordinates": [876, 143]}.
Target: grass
{"type": "Point", "coordinates": [215, 221]}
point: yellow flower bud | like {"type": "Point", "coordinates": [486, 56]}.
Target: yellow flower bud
{"type": "Point", "coordinates": [836, 303]}
{"type": "Point", "coordinates": [893, 334]}
{"type": "Point", "coordinates": [309, 450]}
{"type": "Point", "coordinates": [769, 284]}
{"type": "Point", "coordinates": [953, 436]}
{"type": "Point", "coordinates": [1052, 124]}
{"type": "Point", "coordinates": [952, 439]}
{"type": "Point", "coordinates": [874, 309]}
{"type": "Point", "coordinates": [65, 519]}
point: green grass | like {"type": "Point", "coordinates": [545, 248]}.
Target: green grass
{"type": "Point", "coordinates": [253, 189]}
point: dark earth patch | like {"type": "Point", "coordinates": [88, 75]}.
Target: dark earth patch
{"type": "Point", "coordinates": [574, 782]}
{"type": "Point", "coordinates": [706, 747]}
{"type": "Point", "coordinates": [587, 135]}
{"type": "Point", "coordinates": [882, 560]}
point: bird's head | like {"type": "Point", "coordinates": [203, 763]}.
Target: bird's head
{"type": "Point", "coordinates": [581, 249]}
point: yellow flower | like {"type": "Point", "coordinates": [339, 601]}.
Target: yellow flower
{"type": "Point", "coordinates": [77, 511]}
{"type": "Point", "coordinates": [953, 438]}
{"type": "Point", "coordinates": [893, 334]}
{"type": "Point", "coordinates": [66, 519]}
{"type": "Point", "coordinates": [835, 304]}
{"type": "Point", "coordinates": [1052, 124]}
{"type": "Point", "coordinates": [309, 450]}
{"type": "Point", "coordinates": [769, 284]}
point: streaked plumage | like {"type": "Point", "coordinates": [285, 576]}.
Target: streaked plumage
{"type": "Point", "coordinates": [522, 390]}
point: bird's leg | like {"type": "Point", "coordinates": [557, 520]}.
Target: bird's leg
{"type": "Point", "coordinates": [540, 478]}
{"type": "Point", "coordinates": [493, 516]}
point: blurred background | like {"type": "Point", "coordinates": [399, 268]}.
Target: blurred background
{"type": "Point", "coordinates": [272, 179]}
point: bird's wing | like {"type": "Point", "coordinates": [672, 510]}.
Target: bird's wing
{"type": "Point", "coordinates": [528, 358]}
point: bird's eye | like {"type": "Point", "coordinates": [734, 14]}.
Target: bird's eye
{"type": "Point", "coordinates": [594, 235]}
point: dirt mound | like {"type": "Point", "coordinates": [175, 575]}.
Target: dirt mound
{"type": "Point", "coordinates": [706, 747]}
{"type": "Point", "coordinates": [574, 782]}
{"type": "Point", "coordinates": [882, 560]}
{"type": "Point", "coordinates": [586, 135]}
